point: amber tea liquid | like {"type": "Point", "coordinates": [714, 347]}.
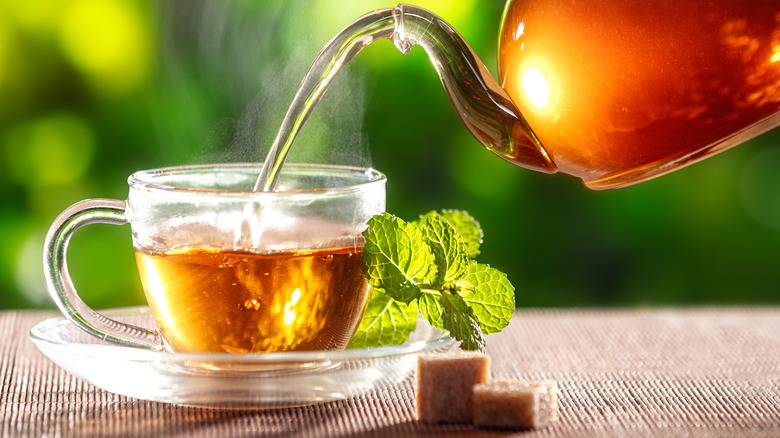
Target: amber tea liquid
{"type": "Point", "coordinates": [207, 299]}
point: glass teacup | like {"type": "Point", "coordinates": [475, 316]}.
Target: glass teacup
{"type": "Point", "coordinates": [228, 269]}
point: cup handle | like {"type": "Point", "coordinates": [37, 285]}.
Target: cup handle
{"type": "Point", "coordinates": [61, 289]}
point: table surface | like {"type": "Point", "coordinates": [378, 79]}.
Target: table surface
{"type": "Point", "coordinates": [711, 372]}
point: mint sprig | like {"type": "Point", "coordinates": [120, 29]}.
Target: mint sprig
{"type": "Point", "coordinates": [427, 267]}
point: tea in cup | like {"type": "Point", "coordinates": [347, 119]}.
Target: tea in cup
{"type": "Point", "coordinates": [228, 269]}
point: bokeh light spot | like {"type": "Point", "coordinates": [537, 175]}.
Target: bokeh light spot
{"type": "Point", "coordinates": [28, 270]}
{"type": "Point", "coordinates": [107, 39]}
{"type": "Point", "coordinates": [54, 150]}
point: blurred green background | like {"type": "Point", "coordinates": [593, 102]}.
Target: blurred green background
{"type": "Point", "coordinates": [92, 90]}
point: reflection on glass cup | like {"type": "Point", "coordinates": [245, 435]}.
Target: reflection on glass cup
{"type": "Point", "coordinates": [228, 269]}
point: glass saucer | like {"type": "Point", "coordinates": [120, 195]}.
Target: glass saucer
{"type": "Point", "coordinates": [223, 380]}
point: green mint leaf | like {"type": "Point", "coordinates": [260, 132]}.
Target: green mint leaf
{"type": "Point", "coordinates": [425, 267]}
{"type": "Point", "coordinates": [395, 257]}
{"type": "Point", "coordinates": [461, 322]}
{"type": "Point", "coordinates": [449, 251]}
{"type": "Point", "coordinates": [485, 290]}
{"type": "Point", "coordinates": [385, 322]}
{"type": "Point", "coordinates": [489, 294]}
{"type": "Point", "coordinates": [466, 226]}
{"type": "Point", "coordinates": [430, 308]}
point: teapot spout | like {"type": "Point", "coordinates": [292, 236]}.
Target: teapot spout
{"type": "Point", "coordinates": [486, 110]}
{"type": "Point", "coordinates": [484, 107]}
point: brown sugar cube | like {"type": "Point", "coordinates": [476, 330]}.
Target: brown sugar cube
{"type": "Point", "coordinates": [445, 385]}
{"type": "Point", "coordinates": [515, 404]}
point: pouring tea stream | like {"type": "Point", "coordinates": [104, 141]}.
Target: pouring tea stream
{"type": "Point", "coordinates": [611, 92]}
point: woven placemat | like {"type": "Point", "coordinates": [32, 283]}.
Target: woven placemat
{"type": "Point", "coordinates": [702, 372]}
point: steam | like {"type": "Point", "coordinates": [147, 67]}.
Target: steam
{"type": "Point", "coordinates": [228, 72]}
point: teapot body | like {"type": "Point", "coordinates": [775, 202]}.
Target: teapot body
{"type": "Point", "coordinates": [619, 91]}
